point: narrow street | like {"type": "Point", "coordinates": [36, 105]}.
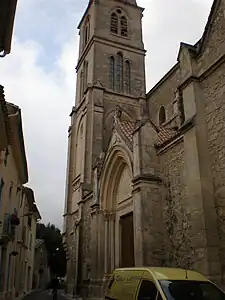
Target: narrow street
{"type": "Point", "coordinates": [43, 295]}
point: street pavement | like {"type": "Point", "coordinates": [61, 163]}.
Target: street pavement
{"type": "Point", "coordinates": [43, 295]}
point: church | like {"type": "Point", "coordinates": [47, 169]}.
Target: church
{"type": "Point", "coordinates": [145, 179]}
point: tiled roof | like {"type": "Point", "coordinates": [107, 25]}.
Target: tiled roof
{"type": "Point", "coordinates": [127, 127]}
{"type": "Point", "coordinates": [164, 135]}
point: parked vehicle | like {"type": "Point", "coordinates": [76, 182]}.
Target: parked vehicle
{"type": "Point", "coordinates": [161, 284]}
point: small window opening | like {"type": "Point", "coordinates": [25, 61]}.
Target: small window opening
{"type": "Point", "coordinates": [162, 115]}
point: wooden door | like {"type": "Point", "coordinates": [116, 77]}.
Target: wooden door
{"type": "Point", "coordinates": [127, 241]}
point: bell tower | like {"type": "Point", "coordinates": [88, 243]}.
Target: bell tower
{"type": "Point", "coordinates": [110, 73]}
{"type": "Point", "coordinates": [111, 48]}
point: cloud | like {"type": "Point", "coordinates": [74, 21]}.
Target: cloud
{"type": "Point", "coordinates": [45, 99]}
{"type": "Point", "coordinates": [165, 25]}
{"type": "Point", "coordinates": [40, 77]}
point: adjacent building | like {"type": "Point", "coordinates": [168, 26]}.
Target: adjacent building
{"type": "Point", "coordinates": [145, 175]}
{"type": "Point", "coordinates": [7, 16]}
{"type": "Point", "coordinates": [26, 242]}
{"type": "Point", "coordinates": [18, 211]}
{"type": "Point", "coordinates": [41, 269]}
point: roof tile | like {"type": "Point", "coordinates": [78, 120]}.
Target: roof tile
{"type": "Point", "coordinates": [164, 135]}
{"type": "Point", "coordinates": [127, 127]}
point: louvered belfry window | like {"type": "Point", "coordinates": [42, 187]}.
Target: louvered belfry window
{"type": "Point", "coordinates": [114, 23]}
{"type": "Point", "coordinates": [123, 26]}
{"type": "Point", "coordinates": [119, 23]}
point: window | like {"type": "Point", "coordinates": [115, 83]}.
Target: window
{"type": "Point", "coordinates": [18, 190]}
{"type": "Point", "coordinates": [147, 291]}
{"type": "Point", "coordinates": [10, 191]}
{"type": "Point", "coordinates": [119, 23]}
{"type": "Point", "coordinates": [6, 156]}
{"type": "Point", "coordinates": [30, 245]}
{"type": "Point", "coordinates": [162, 115]}
{"type": "Point", "coordinates": [181, 109]}
{"type": "Point", "coordinates": [24, 235]}
{"type": "Point", "coordinates": [114, 23]}
{"type": "Point", "coordinates": [1, 189]}
{"type": "Point", "coordinates": [86, 31]}
{"type": "Point", "coordinates": [119, 72]}
{"type": "Point", "coordinates": [85, 75]}
{"type": "Point", "coordinates": [21, 199]}
{"type": "Point", "coordinates": [29, 221]}
{"type": "Point", "coordinates": [123, 26]}
{"type": "Point", "coordinates": [127, 76]}
{"type": "Point", "coordinates": [112, 73]}
{"type": "Point", "coordinates": [81, 85]}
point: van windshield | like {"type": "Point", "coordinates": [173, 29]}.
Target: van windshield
{"type": "Point", "coordinates": [190, 290]}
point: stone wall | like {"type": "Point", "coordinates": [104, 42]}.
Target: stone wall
{"type": "Point", "coordinates": [214, 97]}
{"type": "Point", "coordinates": [176, 227]}
{"type": "Point", "coordinates": [213, 45]}
{"type": "Point", "coordinates": [163, 94]}
{"type": "Point", "coordinates": [85, 249]}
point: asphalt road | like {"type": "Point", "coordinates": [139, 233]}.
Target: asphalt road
{"type": "Point", "coordinates": [42, 295]}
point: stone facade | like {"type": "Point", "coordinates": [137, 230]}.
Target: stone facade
{"type": "Point", "coordinates": [145, 172]}
{"type": "Point", "coordinates": [18, 211]}
{"type": "Point", "coordinates": [41, 275]}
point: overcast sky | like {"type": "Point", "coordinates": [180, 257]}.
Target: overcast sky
{"type": "Point", "coordinates": [39, 76]}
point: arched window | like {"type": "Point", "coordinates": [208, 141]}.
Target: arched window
{"type": "Point", "coordinates": [86, 31]}
{"type": "Point", "coordinates": [85, 75]}
{"type": "Point", "coordinates": [81, 85]}
{"type": "Point", "coordinates": [114, 23]}
{"type": "Point", "coordinates": [112, 73]}
{"type": "Point", "coordinates": [119, 23]}
{"type": "Point", "coordinates": [123, 26]}
{"type": "Point", "coordinates": [119, 72]}
{"type": "Point", "coordinates": [127, 76]}
{"type": "Point", "coordinates": [79, 150]}
{"type": "Point", "coordinates": [162, 115]}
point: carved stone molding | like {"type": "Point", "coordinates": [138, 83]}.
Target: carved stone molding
{"type": "Point", "coordinates": [109, 215]}
{"type": "Point", "coordinates": [115, 139]}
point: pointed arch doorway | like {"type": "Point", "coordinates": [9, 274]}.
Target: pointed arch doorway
{"type": "Point", "coordinates": [118, 204]}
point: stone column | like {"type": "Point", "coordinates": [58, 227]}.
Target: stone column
{"type": "Point", "coordinates": [77, 245]}
{"type": "Point", "coordinates": [138, 242]}
{"type": "Point", "coordinates": [101, 243]}
{"type": "Point", "coordinates": [112, 241]}
{"type": "Point", "coordinates": [106, 261]}
{"type": "Point", "coordinates": [94, 241]}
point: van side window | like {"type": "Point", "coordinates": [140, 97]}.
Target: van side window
{"type": "Point", "coordinates": [147, 291]}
